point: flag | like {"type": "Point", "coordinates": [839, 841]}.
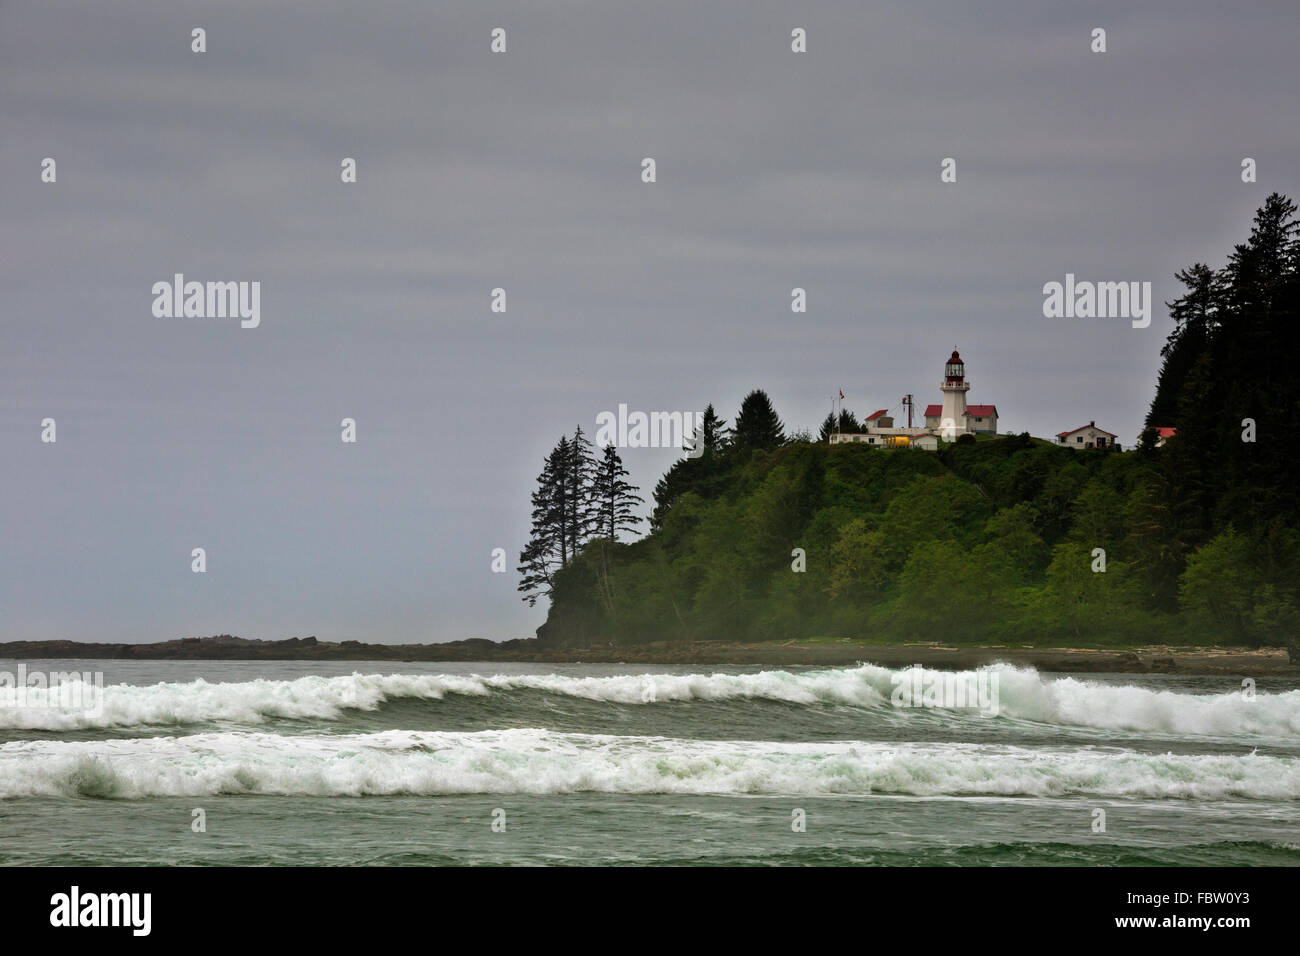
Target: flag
{"type": "Point", "coordinates": [841, 395]}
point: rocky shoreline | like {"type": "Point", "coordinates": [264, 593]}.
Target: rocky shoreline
{"type": "Point", "coordinates": [1190, 661]}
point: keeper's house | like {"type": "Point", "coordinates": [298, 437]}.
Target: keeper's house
{"type": "Point", "coordinates": [1088, 436]}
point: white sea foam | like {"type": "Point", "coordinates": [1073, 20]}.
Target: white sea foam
{"type": "Point", "coordinates": [1025, 695]}
{"type": "Point", "coordinates": [544, 762]}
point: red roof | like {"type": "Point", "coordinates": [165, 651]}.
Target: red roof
{"type": "Point", "coordinates": [979, 411]}
{"type": "Point", "coordinates": [1166, 432]}
{"type": "Point", "coordinates": [874, 415]}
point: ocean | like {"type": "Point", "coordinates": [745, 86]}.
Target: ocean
{"type": "Point", "coordinates": [295, 763]}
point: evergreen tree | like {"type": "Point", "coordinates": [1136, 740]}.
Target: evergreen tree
{"type": "Point", "coordinates": [757, 424]}
{"type": "Point", "coordinates": [828, 426]}
{"type": "Point", "coordinates": [581, 511]}
{"type": "Point", "coordinates": [564, 515]}
{"type": "Point", "coordinates": [1241, 367]}
{"type": "Point", "coordinates": [547, 550]}
{"type": "Point", "coordinates": [715, 432]}
{"type": "Point", "coordinates": [848, 424]}
{"type": "Point", "coordinates": [693, 474]}
{"type": "Point", "coordinates": [1196, 315]}
{"type": "Point", "coordinates": [1257, 268]}
{"type": "Point", "coordinates": [614, 497]}
{"type": "Point", "coordinates": [668, 489]}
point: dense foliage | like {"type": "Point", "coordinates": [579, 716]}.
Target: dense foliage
{"type": "Point", "coordinates": [998, 540]}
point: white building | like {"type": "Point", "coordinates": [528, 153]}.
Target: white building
{"type": "Point", "coordinates": [954, 416]}
{"type": "Point", "coordinates": [1088, 436]}
{"type": "Point", "coordinates": [947, 421]}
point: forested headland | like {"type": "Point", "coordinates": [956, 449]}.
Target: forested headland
{"type": "Point", "coordinates": [771, 536]}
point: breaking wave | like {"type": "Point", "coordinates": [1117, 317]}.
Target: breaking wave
{"type": "Point", "coordinates": [1022, 694]}
{"type": "Point", "coordinates": [545, 762]}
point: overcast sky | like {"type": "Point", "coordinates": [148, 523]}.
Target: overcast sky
{"type": "Point", "coordinates": [523, 170]}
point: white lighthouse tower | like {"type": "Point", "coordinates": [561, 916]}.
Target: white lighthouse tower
{"type": "Point", "coordinates": [954, 390]}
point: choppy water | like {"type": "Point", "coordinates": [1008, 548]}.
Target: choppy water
{"type": "Point", "coordinates": [305, 762]}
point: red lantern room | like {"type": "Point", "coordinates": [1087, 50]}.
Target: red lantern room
{"type": "Point", "coordinates": [955, 371]}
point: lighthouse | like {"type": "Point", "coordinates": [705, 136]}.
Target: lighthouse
{"type": "Point", "coordinates": [943, 423]}
{"type": "Point", "coordinates": [954, 390]}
